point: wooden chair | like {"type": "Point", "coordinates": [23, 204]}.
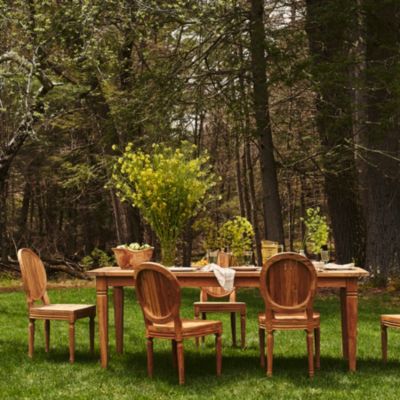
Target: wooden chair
{"type": "Point", "coordinates": [232, 306]}
{"type": "Point", "coordinates": [35, 282]}
{"type": "Point", "coordinates": [159, 295]}
{"type": "Point", "coordinates": [287, 283]}
{"type": "Point", "coordinates": [387, 320]}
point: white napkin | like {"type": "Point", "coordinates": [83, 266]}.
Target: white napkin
{"type": "Point", "coordinates": [339, 266]}
{"type": "Point", "coordinates": [225, 276]}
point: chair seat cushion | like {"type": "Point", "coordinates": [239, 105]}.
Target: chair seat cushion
{"type": "Point", "coordinates": [282, 319]}
{"type": "Point", "coordinates": [391, 319]}
{"type": "Point", "coordinates": [62, 311]}
{"type": "Point", "coordinates": [190, 328]}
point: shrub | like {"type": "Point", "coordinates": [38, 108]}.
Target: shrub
{"type": "Point", "coordinates": [317, 230]}
{"type": "Point", "coordinates": [97, 258]}
{"type": "Point", "coordinates": [237, 234]}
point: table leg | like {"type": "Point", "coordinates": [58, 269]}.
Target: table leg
{"type": "Point", "coordinates": [343, 305]}
{"type": "Point", "coordinates": [102, 317]}
{"type": "Point", "coordinates": [118, 292]}
{"type": "Point", "coordinates": [352, 315]}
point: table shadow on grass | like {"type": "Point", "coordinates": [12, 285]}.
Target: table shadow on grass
{"type": "Point", "coordinates": [197, 366]}
{"type": "Point", "coordinates": [201, 367]}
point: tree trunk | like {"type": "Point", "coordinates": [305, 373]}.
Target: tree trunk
{"type": "Point", "coordinates": [248, 174]}
{"type": "Point", "coordinates": [253, 201]}
{"type": "Point", "coordinates": [24, 213]}
{"type": "Point", "coordinates": [127, 221]}
{"type": "Point", "coordinates": [245, 184]}
{"type": "Point", "coordinates": [273, 225]}
{"type": "Point", "coordinates": [302, 212]}
{"type": "Point", "coordinates": [326, 25]}
{"type": "Point", "coordinates": [3, 220]}
{"type": "Point", "coordinates": [290, 207]}
{"type": "Point", "coordinates": [7, 156]}
{"type": "Point", "coordinates": [359, 116]}
{"type": "Point", "coordinates": [380, 145]}
{"type": "Point", "coordinates": [239, 180]}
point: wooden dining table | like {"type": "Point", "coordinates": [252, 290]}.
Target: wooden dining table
{"type": "Point", "coordinates": [345, 280]}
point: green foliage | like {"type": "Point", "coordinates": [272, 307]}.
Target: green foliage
{"type": "Point", "coordinates": [209, 231]}
{"type": "Point", "coordinates": [97, 258]}
{"type": "Point", "coordinates": [237, 234]}
{"type": "Point", "coordinates": [317, 230]}
{"type": "Point", "coordinates": [77, 175]}
{"type": "Point", "coordinates": [169, 186]}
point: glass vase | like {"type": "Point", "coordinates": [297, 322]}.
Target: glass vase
{"type": "Point", "coordinates": [168, 253]}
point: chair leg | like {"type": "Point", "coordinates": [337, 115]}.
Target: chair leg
{"type": "Point", "coordinates": [270, 352]}
{"type": "Point", "coordinates": [150, 357]}
{"type": "Point", "coordinates": [181, 363]}
{"type": "Point", "coordinates": [310, 353]}
{"type": "Point", "coordinates": [261, 335]}
{"type": "Point", "coordinates": [233, 328]}
{"type": "Point", "coordinates": [384, 341]}
{"type": "Point", "coordinates": [196, 316]}
{"type": "Point", "coordinates": [218, 350]}
{"type": "Point", "coordinates": [71, 342]}
{"type": "Point", "coordinates": [91, 333]}
{"type": "Point", "coordinates": [203, 317]}
{"type": "Point", "coordinates": [317, 347]}
{"type": "Point", "coordinates": [174, 353]}
{"type": "Point", "coordinates": [243, 329]}
{"type": "Point", "coordinates": [31, 340]}
{"type": "Point", "coordinates": [47, 335]}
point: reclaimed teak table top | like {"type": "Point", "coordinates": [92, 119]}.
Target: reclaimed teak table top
{"type": "Point", "coordinates": [242, 278]}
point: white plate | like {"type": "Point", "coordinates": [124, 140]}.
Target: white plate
{"type": "Point", "coordinates": [182, 269]}
{"type": "Point", "coordinates": [318, 264]}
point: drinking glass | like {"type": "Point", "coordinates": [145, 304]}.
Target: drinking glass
{"type": "Point", "coordinates": [212, 256]}
{"type": "Point", "coordinates": [324, 256]}
{"type": "Point", "coordinates": [247, 258]}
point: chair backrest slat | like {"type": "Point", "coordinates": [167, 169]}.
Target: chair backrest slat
{"type": "Point", "coordinates": [288, 283]}
{"type": "Point", "coordinates": [33, 275]}
{"type": "Point", "coordinates": [217, 292]}
{"type": "Point", "coordinates": [224, 259]}
{"type": "Point", "coordinates": [158, 292]}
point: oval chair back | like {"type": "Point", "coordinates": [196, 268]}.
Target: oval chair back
{"type": "Point", "coordinates": [33, 276]}
{"type": "Point", "coordinates": [159, 294]}
{"type": "Point", "coordinates": [224, 260]}
{"type": "Point", "coordinates": [288, 283]}
{"type": "Point", "coordinates": [217, 292]}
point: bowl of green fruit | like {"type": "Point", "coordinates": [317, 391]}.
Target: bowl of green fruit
{"type": "Point", "coordinates": [130, 256]}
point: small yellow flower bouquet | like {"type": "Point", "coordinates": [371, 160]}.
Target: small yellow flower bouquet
{"type": "Point", "coordinates": [200, 263]}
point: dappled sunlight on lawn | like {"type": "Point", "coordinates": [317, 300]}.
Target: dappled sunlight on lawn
{"type": "Point", "coordinates": [241, 377]}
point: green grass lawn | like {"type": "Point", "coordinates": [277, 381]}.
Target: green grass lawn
{"type": "Point", "coordinates": [50, 376]}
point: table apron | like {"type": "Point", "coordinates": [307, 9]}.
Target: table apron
{"type": "Point", "coordinates": [242, 282]}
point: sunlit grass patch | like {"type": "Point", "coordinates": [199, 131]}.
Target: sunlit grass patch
{"type": "Point", "coordinates": [51, 376]}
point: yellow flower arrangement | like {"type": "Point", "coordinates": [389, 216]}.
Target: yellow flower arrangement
{"type": "Point", "coordinates": [169, 186]}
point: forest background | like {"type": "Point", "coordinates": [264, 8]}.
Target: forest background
{"type": "Point", "coordinates": [297, 103]}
